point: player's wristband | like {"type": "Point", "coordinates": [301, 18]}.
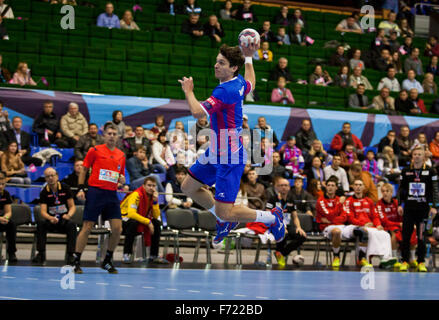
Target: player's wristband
{"type": "Point", "coordinates": [249, 60]}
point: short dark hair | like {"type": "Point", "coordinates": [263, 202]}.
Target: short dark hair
{"type": "Point", "coordinates": [140, 148]}
{"type": "Point", "coordinates": [332, 179]}
{"type": "Point", "coordinates": [115, 112]}
{"type": "Point", "coordinates": [110, 125]}
{"type": "Point", "coordinates": [93, 124]}
{"type": "Point", "coordinates": [180, 170]}
{"type": "Point", "coordinates": [234, 56]}
{"type": "Point", "coordinates": [152, 179]}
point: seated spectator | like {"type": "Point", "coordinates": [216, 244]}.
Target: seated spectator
{"type": "Point", "coordinates": [5, 123]}
{"type": "Point", "coordinates": [263, 128]}
{"type": "Point", "coordinates": [359, 100]}
{"type": "Point", "coordinates": [433, 66]}
{"type": "Point", "coordinates": [281, 94]}
{"type": "Point", "coordinates": [203, 126]}
{"type": "Point", "coordinates": [347, 156]}
{"type": "Point", "coordinates": [356, 61]}
{"type": "Point", "coordinates": [384, 61]}
{"type": "Point", "coordinates": [140, 214]}
{"type": "Point", "coordinates": [295, 235]}
{"type": "Point", "coordinates": [193, 26]}
{"type": "Point", "coordinates": [22, 75]}
{"type": "Point", "coordinates": [389, 140]}
{"type": "Point", "coordinates": [369, 188]}
{"type": "Point", "coordinates": [349, 25]}
{"type": "Point", "coordinates": [245, 12]}
{"type": "Point", "coordinates": [390, 82]}
{"type": "Point", "coordinates": [264, 53]}
{"type": "Point", "coordinates": [46, 125]}
{"type": "Point", "coordinates": [338, 59]}
{"type": "Point", "coordinates": [388, 164]}
{"type": "Point", "coordinates": [432, 47]}
{"type": "Point", "coordinates": [302, 199]}
{"type": "Point", "coordinates": [128, 22]}
{"type": "Point", "coordinates": [371, 165]}
{"type": "Point", "coordinates": [13, 166]}
{"type": "Point", "coordinates": [283, 18]}
{"type": "Point", "coordinates": [317, 150]}
{"type": "Point", "coordinates": [6, 224]}
{"type": "Point", "coordinates": [384, 102]}
{"type": "Point", "coordinates": [408, 45]}
{"type": "Point", "coordinates": [403, 103]}
{"type": "Point", "coordinates": [129, 133]}
{"type": "Point", "coordinates": [190, 7]}
{"type": "Point", "coordinates": [169, 6]}
{"type": "Point", "coordinates": [265, 32]}
{"type": "Point", "coordinates": [344, 137]}
{"type": "Point", "coordinates": [390, 24]}
{"type": "Point", "coordinates": [282, 38]}
{"type": "Point", "coordinates": [226, 12]}
{"type": "Point", "coordinates": [72, 181]}
{"type": "Point", "coordinates": [87, 141]}
{"type": "Point", "coordinates": [421, 141]}
{"type": "Point", "coordinates": [139, 168]}
{"type": "Point", "coordinates": [254, 190]}
{"type": "Point", "coordinates": [57, 209]}
{"type": "Point", "coordinates": [434, 148]}
{"type": "Point", "coordinates": [22, 138]}
{"type": "Point", "coordinates": [213, 29]}
{"type": "Point", "coordinates": [117, 116]}
{"type": "Point", "coordinates": [406, 31]}
{"type": "Point", "coordinates": [320, 77]}
{"type": "Point", "coordinates": [298, 18]}
{"type": "Point", "coordinates": [316, 171]}
{"type": "Point", "coordinates": [5, 75]}
{"type": "Point", "coordinates": [189, 155]}
{"type": "Point", "coordinates": [428, 84]}
{"type": "Point", "coordinates": [174, 194]}
{"type": "Point", "coordinates": [281, 70]}
{"type": "Point", "coordinates": [6, 10]}
{"type": "Point", "coordinates": [305, 136]}
{"type": "Point", "coordinates": [159, 126]}
{"type": "Point", "coordinates": [360, 211]}
{"type": "Point", "coordinates": [279, 170]}
{"type": "Point", "coordinates": [73, 126]}
{"type": "Point", "coordinates": [108, 19]}
{"type": "Point", "coordinates": [396, 61]}
{"type": "Point", "coordinates": [414, 63]}
{"type": "Point", "coordinates": [405, 144]}
{"type": "Point", "coordinates": [314, 188]}
{"type": "Point", "coordinates": [177, 138]}
{"type": "Point", "coordinates": [393, 42]}
{"type": "Point", "coordinates": [379, 43]}
{"type": "Point", "coordinates": [337, 171]}
{"type": "Point", "coordinates": [3, 32]}
{"type": "Point", "coordinates": [292, 156]}
{"type": "Point", "coordinates": [331, 218]}
{"type": "Point", "coordinates": [418, 104]}
{"type": "Point", "coordinates": [181, 162]}
{"type": "Point", "coordinates": [342, 77]}
{"type": "Point", "coordinates": [162, 155]}
{"type": "Point", "coordinates": [357, 78]}
{"type": "Point", "coordinates": [298, 36]}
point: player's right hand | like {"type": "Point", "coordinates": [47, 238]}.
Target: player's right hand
{"type": "Point", "coordinates": [151, 228]}
{"type": "Point", "coordinates": [400, 211]}
{"type": "Point", "coordinates": [250, 50]}
{"type": "Point", "coordinates": [80, 195]}
{"type": "Point", "coordinates": [187, 84]}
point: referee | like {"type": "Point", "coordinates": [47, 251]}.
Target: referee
{"type": "Point", "coordinates": [107, 165]}
{"type": "Point", "coordinates": [418, 196]}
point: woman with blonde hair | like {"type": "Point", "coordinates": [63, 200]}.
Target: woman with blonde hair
{"type": "Point", "coordinates": [388, 164]}
{"type": "Point", "coordinates": [13, 166]}
{"type": "Point", "coordinates": [22, 75]}
{"type": "Point", "coordinates": [127, 21]}
{"type": "Point", "coordinates": [428, 84]}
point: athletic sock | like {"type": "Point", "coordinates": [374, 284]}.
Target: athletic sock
{"type": "Point", "coordinates": [336, 251]}
{"type": "Point", "coordinates": [412, 255]}
{"type": "Point", "coordinates": [212, 211]}
{"type": "Point", "coordinates": [362, 253]}
{"type": "Point", "coordinates": [77, 256]}
{"type": "Point", "coordinates": [108, 256]}
{"type": "Point", "coordinates": [394, 253]}
{"type": "Point", "coordinates": [265, 217]}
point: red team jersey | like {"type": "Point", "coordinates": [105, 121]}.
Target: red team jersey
{"type": "Point", "coordinates": [361, 211]}
{"type": "Point", "coordinates": [330, 209]}
{"type": "Point", "coordinates": [388, 213]}
{"type": "Point", "coordinates": [106, 166]}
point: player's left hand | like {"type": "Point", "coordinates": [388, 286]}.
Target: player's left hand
{"type": "Point", "coordinates": [187, 84]}
{"type": "Point", "coordinates": [121, 179]}
{"type": "Point", "coordinates": [250, 50]}
{"type": "Point", "coordinates": [434, 212]}
{"type": "Point", "coordinates": [301, 232]}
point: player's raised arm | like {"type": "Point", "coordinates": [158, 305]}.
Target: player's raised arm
{"type": "Point", "coordinates": [248, 53]}
{"type": "Point", "coordinates": [187, 84]}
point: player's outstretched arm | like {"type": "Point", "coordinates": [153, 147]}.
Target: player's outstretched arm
{"type": "Point", "coordinates": [248, 53]}
{"type": "Point", "coordinates": [187, 84]}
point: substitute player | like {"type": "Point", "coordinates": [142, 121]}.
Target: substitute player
{"type": "Point", "coordinates": [418, 196]}
{"type": "Point", "coordinates": [223, 162]}
{"type": "Point", "coordinates": [107, 165]}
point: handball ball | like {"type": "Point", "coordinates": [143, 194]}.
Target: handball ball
{"type": "Point", "coordinates": [299, 260]}
{"type": "Point", "coordinates": [248, 36]}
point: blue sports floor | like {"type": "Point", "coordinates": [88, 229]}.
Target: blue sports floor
{"type": "Point", "coordinates": [44, 283]}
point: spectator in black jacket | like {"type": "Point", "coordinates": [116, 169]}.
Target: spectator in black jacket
{"type": "Point", "coordinates": [46, 125]}
{"type": "Point", "coordinates": [283, 18]}
{"type": "Point", "coordinates": [139, 168]}
{"type": "Point", "coordinates": [245, 12]}
{"type": "Point", "coordinates": [138, 140]}
{"type": "Point", "coordinates": [303, 200]}
{"type": "Point", "coordinates": [91, 139]}
{"type": "Point", "coordinates": [266, 34]}
{"type": "Point", "coordinates": [281, 70]}
{"type": "Point", "coordinates": [169, 6]}
{"type": "Point", "coordinates": [384, 61]}
{"type": "Point", "coordinates": [297, 36]}
{"type": "Point", "coordinates": [72, 181]}
{"type": "Point", "coordinates": [213, 29]}
{"type": "Point", "coordinates": [339, 59]}
{"type": "Point", "coordinates": [193, 26]}
{"type": "Point", "coordinates": [305, 136]}
{"type": "Point", "coordinates": [389, 140]}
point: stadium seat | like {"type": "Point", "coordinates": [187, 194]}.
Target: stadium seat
{"type": "Point", "coordinates": [88, 73]}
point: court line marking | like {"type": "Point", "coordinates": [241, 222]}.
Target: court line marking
{"type": "Point", "coordinates": [240, 295]}
{"type": "Point", "coordinates": [218, 293]}
{"type": "Point", "coordinates": [32, 279]}
{"type": "Point", "coordinates": [13, 298]}
{"type": "Point", "coordinates": [171, 289]}
{"type": "Point", "coordinates": [7, 277]}
{"type": "Point", "coordinates": [194, 291]}
{"type": "Point", "coordinates": [102, 283]}
{"type": "Point", "coordinates": [148, 287]}
{"type": "Point", "coordinates": [126, 285]}
{"type": "Point", "coordinates": [261, 297]}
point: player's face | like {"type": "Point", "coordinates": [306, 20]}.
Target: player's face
{"type": "Point", "coordinates": [358, 187]}
{"type": "Point", "coordinates": [223, 71]}
{"type": "Point", "coordinates": [331, 187]}
{"type": "Point", "coordinates": [418, 156]}
{"type": "Point", "coordinates": [387, 193]}
{"type": "Point", "coordinates": [110, 136]}
{"type": "Point", "coordinates": [150, 187]}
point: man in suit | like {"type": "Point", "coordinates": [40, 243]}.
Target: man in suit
{"type": "Point", "coordinates": [22, 139]}
{"type": "Point", "coordinates": [359, 100]}
{"type": "Point", "coordinates": [298, 36]}
{"type": "Point", "coordinates": [384, 101]}
{"type": "Point", "coordinates": [139, 139]}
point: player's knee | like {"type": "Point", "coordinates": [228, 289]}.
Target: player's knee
{"type": "Point", "coordinates": [87, 227]}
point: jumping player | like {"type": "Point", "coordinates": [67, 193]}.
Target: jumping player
{"type": "Point", "coordinates": [107, 165]}
{"type": "Point", "coordinates": [418, 196]}
{"type": "Point", "coordinates": [223, 162]}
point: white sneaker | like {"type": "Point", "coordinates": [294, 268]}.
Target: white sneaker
{"type": "Point", "coordinates": [126, 258]}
